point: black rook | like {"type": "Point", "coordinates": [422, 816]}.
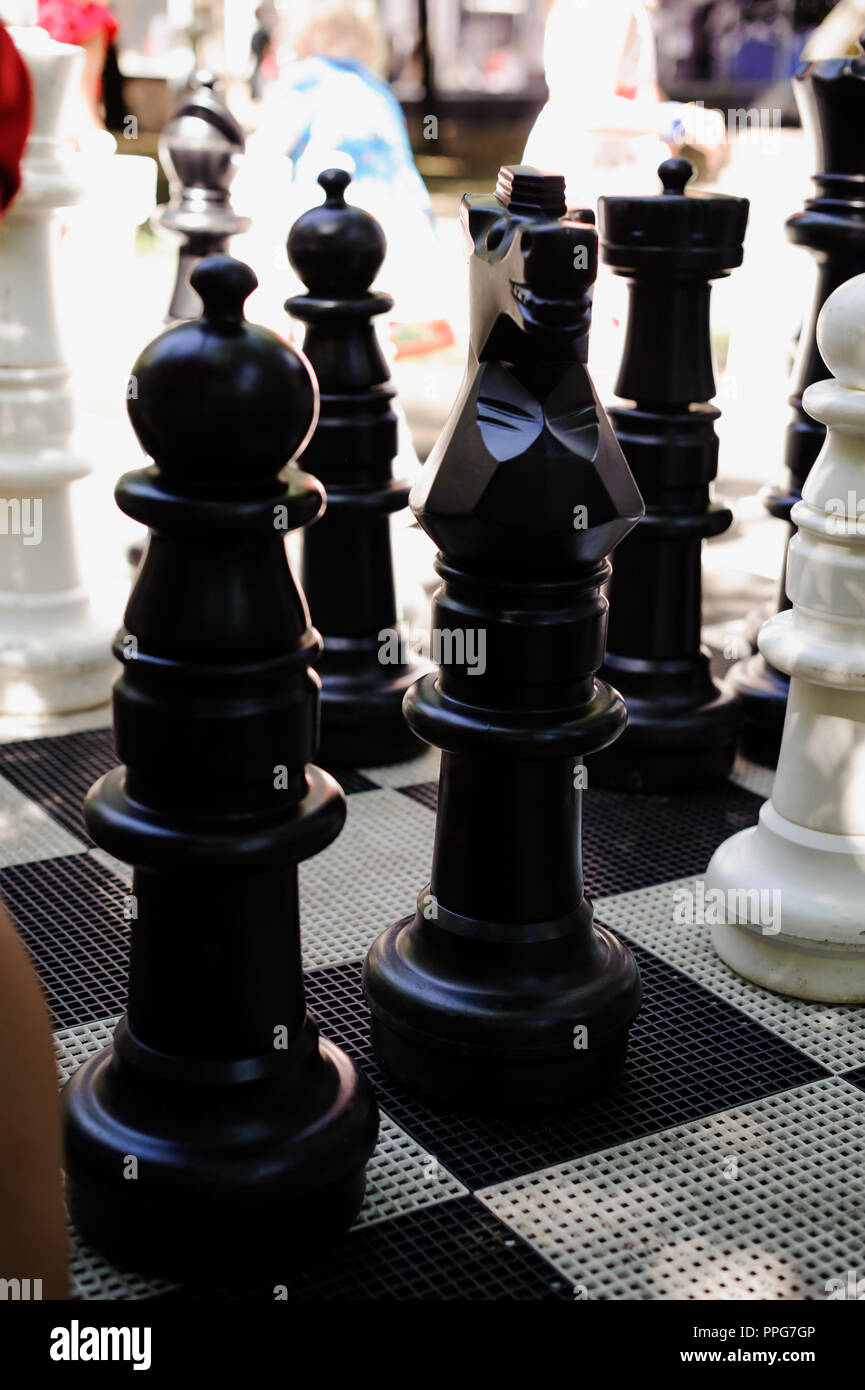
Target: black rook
{"type": "Point", "coordinates": [501, 991]}
{"type": "Point", "coordinates": [682, 724]}
{"type": "Point", "coordinates": [219, 1131]}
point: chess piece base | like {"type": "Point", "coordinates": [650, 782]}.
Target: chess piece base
{"type": "Point", "coordinates": [58, 668]}
{"type": "Point", "coordinates": [492, 1027]}
{"type": "Point", "coordinates": [763, 693]}
{"type": "Point", "coordinates": [668, 748]}
{"type": "Point", "coordinates": [227, 1186]}
{"type": "Point", "coordinates": [362, 723]}
{"type": "Point", "coordinates": [819, 952]}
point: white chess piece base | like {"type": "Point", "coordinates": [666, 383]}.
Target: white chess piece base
{"type": "Point", "coordinates": [819, 951]}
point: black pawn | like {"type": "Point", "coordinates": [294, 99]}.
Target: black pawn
{"type": "Point", "coordinates": [219, 1134]}
{"type": "Point", "coordinates": [830, 95]}
{"type": "Point", "coordinates": [682, 724]}
{"type": "Point", "coordinates": [500, 992]}
{"type": "Point", "coordinates": [347, 568]}
{"type": "Point", "coordinates": [199, 149]}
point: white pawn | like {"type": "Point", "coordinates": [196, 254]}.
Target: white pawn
{"type": "Point", "coordinates": [794, 885]}
{"type": "Point", "coordinates": [55, 654]}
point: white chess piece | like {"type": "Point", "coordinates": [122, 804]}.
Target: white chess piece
{"type": "Point", "coordinates": [54, 652]}
{"type": "Point", "coordinates": [809, 845]}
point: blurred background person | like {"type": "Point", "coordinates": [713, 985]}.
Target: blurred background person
{"type": "Point", "coordinates": [605, 126]}
{"type": "Point", "coordinates": [262, 51]}
{"type": "Point", "coordinates": [332, 108]}
{"type": "Point", "coordinates": [92, 27]}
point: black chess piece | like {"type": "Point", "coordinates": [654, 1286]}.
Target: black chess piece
{"type": "Point", "coordinates": [219, 1133]}
{"type": "Point", "coordinates": [830, 95]}
{"type": "Point", "coordinates": [682, 724]}
{"type": "Point", "coordinates": [199, 149]}
{"type": "Point", "coordinates": [501, 993]}
{"type": "Point", "coordinates": [347, 569]}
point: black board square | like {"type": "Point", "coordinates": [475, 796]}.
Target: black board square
{"type": "Point", "coordinates": [691, 1055]}
{"type": "Point", "coordinates": [451, 1250]}
{"type": "Point", "coordinates": [69, 912]}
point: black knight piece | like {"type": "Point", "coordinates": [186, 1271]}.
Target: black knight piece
{"type": "Point", "coordinates": [347, 571]}
{"type": "Point", "coordinates": [682, 724]}
{"type": "Point", "coordinates": [501, 992]}
{"type": "Point", "coordinates": [830, 95]}
{"type": "Point", "coordinates": [219, 1135]}
{"type": "Point", "coordinates": [199, 149]}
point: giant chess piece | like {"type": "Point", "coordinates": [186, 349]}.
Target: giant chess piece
{"type": "Point", "coordinates": [347, 572]}
{"type": "Point", "coordinates": [501, 992]}
{"type": "Point", "coordinates": [793, 884]}
{"type": "Point", "coordinates": [55, 650]}
{"type": "Point", "coordinates": [830, 95]}
{"type": "Point", "coordinates": [246, 1133]}
{"type": "Point", "coordinates": [199, 149]}
{"type": "Point", "coordinates": [682, 724]}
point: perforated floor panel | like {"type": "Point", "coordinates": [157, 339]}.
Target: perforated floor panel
{"type": "Point", "coordinates": [723, 1165]}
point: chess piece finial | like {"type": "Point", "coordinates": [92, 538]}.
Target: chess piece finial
{"type": "Point", "coordinates": [200, 148]}
{"type": "Point", "coordinates": [478, 997]}
{"type": "Point", "coordinates": [841, 339]}
{"type": "Point", "coordinates": [830, 95]}
{"type": "Point", "coordinates": [670, 247]}
{"type": "Point", "coordinates": [798, 874]}
{"type": "Point", "coordinates": [530, 192]}
{"type": "Point", "coordinates": [347, 572]}
{"type": "Point", "coordinates": [250, 1132]}
{"type": "Point", "coordinates": [187, 409]}
{"type": "Point", "coordinates": [675, 174]}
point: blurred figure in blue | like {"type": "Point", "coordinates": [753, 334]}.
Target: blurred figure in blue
{"type": "Point", "coordinates": [332, 108]}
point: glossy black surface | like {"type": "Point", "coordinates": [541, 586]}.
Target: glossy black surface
{"type": "Point", "coordinates": [219, 1130]}
{"type": "Point", "coordinates": [830, 95]}
{"type": "Point", "coordinates": [347, 568]}
{"type": "Point", "coordinates": [682, 724]}
{"type": "Point", "coordinates": [199, 149]}
{"type": "Point", "coordinates": [500, 993]}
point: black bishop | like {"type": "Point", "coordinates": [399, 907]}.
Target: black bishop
{"type": "Point", "coordinates": [199, 149]}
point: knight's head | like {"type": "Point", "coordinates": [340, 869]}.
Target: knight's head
{"type": "Point", "coordinates": [533, 265]}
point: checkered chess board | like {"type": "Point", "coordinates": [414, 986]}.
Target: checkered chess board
{"type": "Point", "coordinates": [726, 1163]}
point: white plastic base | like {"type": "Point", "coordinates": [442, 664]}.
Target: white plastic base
{"type": "Point", "coordinates": [819, 882]}
{"type": "Point", "coordinates": [57, 669]}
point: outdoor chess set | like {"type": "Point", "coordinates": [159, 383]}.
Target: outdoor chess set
{"type": "Point", "coordinates": [505, 977]}
{"type": "Point", "coordinates": [723, 1165]}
